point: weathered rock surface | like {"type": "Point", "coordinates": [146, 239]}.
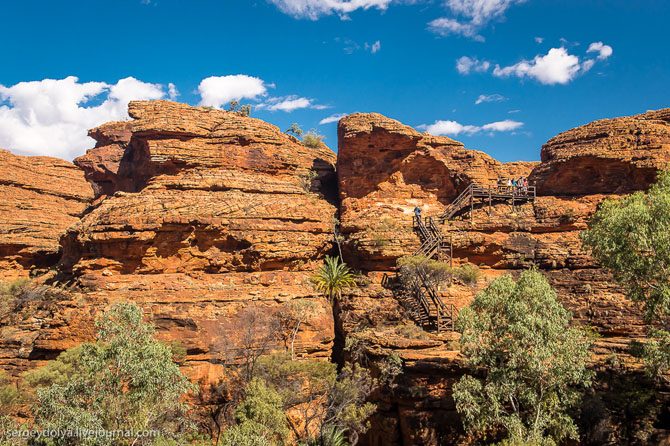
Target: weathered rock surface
{"type": "Point", "coordinates": [103, 163]}
{"type": "Point", "coordinates": [41, 198]}
{"type": "Point", "coordinates": [409, 169]}
{"type": "Point", "coordinates": [212, 214]}
{"type": "Point", "coordinates": [617, 155]}
{"type": "Point", "coordinates": [386, 168]}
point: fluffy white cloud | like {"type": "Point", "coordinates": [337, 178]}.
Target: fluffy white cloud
{"type": "Point", "coordinates": [314, 9]}
{"type": "Point", "coordinates": [465, 65]}
{"type": "Point", "coordinates": [604, 51]}
{"type": "Point", "coordinates": [454, 128]}
{"type": "Point", "coordinates": [332, 118]}
{"type": "Point", "coordinates": [217, 91]}
{"type": "Point", "coordinates": [52, 116]}
{"type": "Point", "coordinates": [478, 13]}
{"type": "Point", "coordinates": [490, 98]}
{"type": "Point", "coordinates": [556, 67]}
{"type": "Point", "coordinates": [289, 103]}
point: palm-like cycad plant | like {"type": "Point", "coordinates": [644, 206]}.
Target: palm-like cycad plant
{"type": "Point", "coordinates": [333, 277]}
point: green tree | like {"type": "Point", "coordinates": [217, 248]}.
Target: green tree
{"type": "Point", "coordinates": [631, 238]}
{"type": "Point", "coordinates": [126, 380]}
{"type": "Point", "coordinates": [529, 363]}
{"type": "Point", "coordinates": [295, 130]}
{"type": "Point", "coordinates": [263, 406]}
{"type": "Point", "coordinates": [333, 278]}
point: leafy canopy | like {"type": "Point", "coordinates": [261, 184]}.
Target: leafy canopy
{"type": "Point", "coordinates": [631, 237]}
{"type": "Point", "coordinates": [333, 278]}
{"type": "Point", "coordinates": [126, 380]}
{"type": "Point", "coordinates": [529, 361]}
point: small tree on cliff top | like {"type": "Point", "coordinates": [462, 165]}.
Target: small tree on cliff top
{"type": "Point", "coordinates": [126, 381]}
{"type": "Point", "coordinates": [528, 359]}
{"type": "Point", "coordinates": [631, 237]}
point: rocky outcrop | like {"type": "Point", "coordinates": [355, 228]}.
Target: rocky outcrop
{"type": "Point", "coordinates": [617, 155]}
{"type": "Point", "coordinates": [386, 168]}
{"type": "Point", "coordinates": [41, 198]}
{"type": "Point", "coordinates": [103, 164]}
{"type": "Point", "coordinates": [408, 169]}
{"type": "Point", "coordinates": [213, 216]}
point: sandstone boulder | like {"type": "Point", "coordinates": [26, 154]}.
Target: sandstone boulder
{"type": "Point", "coordinates": [41, 198]}
{"type": "Point", "coordinates": [617, 155]}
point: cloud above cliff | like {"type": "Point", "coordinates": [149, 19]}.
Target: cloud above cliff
{"type": "Point", "coordinates": [332, 118]}
{"type": "Point", "coordinates": [52, 116]}
{"type": "Point", "coordinates": [289, 104]}
{"type": "Point", "coordinates": [558, 66]}
{"type": "Point", "coordinates": [454, 128]}
{"type": "Point", "coordinates": [217, 91]}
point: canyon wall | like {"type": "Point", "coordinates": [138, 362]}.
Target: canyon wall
{"type": "Point", "coordinates": [207, 218]}
{"type": "Point", "coordinates": [579, 169]}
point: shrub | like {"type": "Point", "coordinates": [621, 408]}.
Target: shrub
{"type": "Point", "coordinates": [312, 139]}
{"type": "Point", "coordinates": [467, 273]}
{"type": "Point", "coordinates": [435, 272]}
{"type": "Point", "coordinates": [295, 130]}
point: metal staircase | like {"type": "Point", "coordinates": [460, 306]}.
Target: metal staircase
{"type": "Point", "coordinates": [487, 194]}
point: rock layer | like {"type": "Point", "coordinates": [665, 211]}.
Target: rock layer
{"type": "Point", "coordinates": [410, 169]}
{"type": "Point", "coordinates": [41, 198]}
{"type": "Point", "coordinates": [212, 215]}
{"type": "Point", "coordinates": [617, 155]}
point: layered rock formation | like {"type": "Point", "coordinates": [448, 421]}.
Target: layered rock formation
{"type": "Point", "coordinates": [208, 219]}
{"type": "Point", "coordinates": [410, 170]}
{"type": "Point", "coordinates": [617, 155]}
{"type": "Point", "coordinates": [212, 215]}
{"type": "Point", "coordinates": [41, 198]}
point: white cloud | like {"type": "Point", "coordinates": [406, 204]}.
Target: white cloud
{"type": "Point", "coordinates": [446, 26]}
{"type": "Point", "coordinates": [289, 104]}
{"type": "Point", "coordinates": [375, 47]}
{"type": "Point", "coordinates": [478, 13]}
{"type": "Point", "coordinates": [217, 91]}
{"type": "Point", "coordinates": [604, 51]}
{"type": "Point", "coordinates": [52, 116]}
{"type": "Point", "coordinates": [314, 9]}
{"type": "Point", "coordinates": [465, 65]}
{"type": "Point", "coordinates": [173, 93]}
{"type": "Point", "coordinates": [332, 118]}
{"type": "Point", "coordinates": [454, 128]}
{"type": "Point", "coordinates": [490, 98]}
{"type": "Point", "coordinates": [556, 67]}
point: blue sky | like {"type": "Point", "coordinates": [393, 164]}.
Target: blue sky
{"type": "Point", "coordinates": [531, 58]}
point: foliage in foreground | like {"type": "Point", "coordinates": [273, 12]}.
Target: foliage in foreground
{"type": "Point", "coordinates": [631, 237]}
{"type": "Point", "coordinates": [333, 278]}
{"type": "Point", "coordinates": [528, 362]}
{"type": "Point", "coordinates": [126, 380]}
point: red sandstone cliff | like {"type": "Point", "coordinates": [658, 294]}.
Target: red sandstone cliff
{"type": "Point", "coordinates": [411, 169]}
{"type": "Point", "coordinates": [205, 213]}
{"type": "Point", "coordinates": [212, 213]}
{"type": "Point", "coordinates": [41, 198]}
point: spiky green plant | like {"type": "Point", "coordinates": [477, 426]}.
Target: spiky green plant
{"type": "Point", "coordinates": [333, 278]}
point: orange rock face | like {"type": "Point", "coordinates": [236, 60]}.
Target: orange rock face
{"type": "Point", "coordinates": [211, 214]}
{"type": "Point", "coordinates": [608, 156]}
{"type": "Point", "coordinates": [41, 198]}
{"type": "Point", "coordinates": [386, 169]}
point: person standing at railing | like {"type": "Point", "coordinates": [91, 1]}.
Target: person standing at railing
{"type": "Point", "coordinates": [417, 214]}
